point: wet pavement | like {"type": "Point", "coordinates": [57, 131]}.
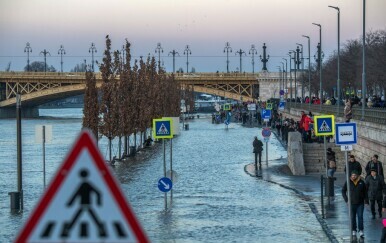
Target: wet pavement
{"type": "Point", "coordinates": [336, 221]}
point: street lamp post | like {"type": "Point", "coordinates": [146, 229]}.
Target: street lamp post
{"type": "Point", "coordinates": [320, 65]}
{"type": "Point", "coordinates": [295, 64]}
{"type": "Point", "coordinates": [227, 49]}
{"type": "Point", "coordinates": [309, 72]}
{"type": "Point", "coordinates": [338, 79]}
{"type": "Point", "coordinates": [159, 50]}
{"type": "Point", "coordinates": [363, 62]}
{"type": "Point", "coordinates": [302, 71]}
{"type": "Point", "coordinates": [19, 150]}
{"type": "Point", "coordinates": [187, 52]}
{"type": "Point", "coordinates": [253, 52]}
{"type": "Point", "coordinates": [290, 57]}
{"type": "Point", "coordinates": [265, 58]}
{"type": "Point", "coordinates": [174, 53]}
{"type": "Point", "coordinates": [286, 76]}
{"type": "Point", "coordinates": [28, 49]}
{"type": "Point", "coordinates": [282, 78]}
{"type": "Point", "coordinates": [45, 58]}
{"type": "Point", "coordinates": [62, 52]}
{"type": "Point", "coordinates": [91, 50]}
{"type": "Point", "coordinates": [240, 52]}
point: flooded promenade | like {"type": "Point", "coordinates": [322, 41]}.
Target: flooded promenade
{"type": "Point", "coordinates": [214, 200]}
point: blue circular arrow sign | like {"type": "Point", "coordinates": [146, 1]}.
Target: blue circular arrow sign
{"type": "Point", "coordinates": [165, 184]}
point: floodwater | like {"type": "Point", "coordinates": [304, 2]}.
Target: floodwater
{"type": "Point", "coordinates": [214, 200]}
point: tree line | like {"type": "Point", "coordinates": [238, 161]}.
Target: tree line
{"type": "Point", "coordinates": [130, 97]}
{"type": "Point", "coordinates": [351, 68]}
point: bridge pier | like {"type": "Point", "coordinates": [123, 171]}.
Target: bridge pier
{"type": "Point", "coordinates": [26, 112]}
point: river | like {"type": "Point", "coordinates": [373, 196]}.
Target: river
{"type": "Point", "coordinates": [214, 200]}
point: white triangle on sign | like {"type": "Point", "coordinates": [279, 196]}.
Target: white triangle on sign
{"type": "Point", "coordinates": [84, 203]}
{"type": "Point", "coordinates": [163, 130]}
{"type": "Point", "coordinates": [324, 127]}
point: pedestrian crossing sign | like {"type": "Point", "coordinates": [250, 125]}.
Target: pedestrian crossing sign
{"type": "Point", "coordinates": [227, 107]}
{"type": "Point", "coordinates": [163, 128]}
{"type": "Point", "coordinates": [325, 125]}
{"type": "Point", "coordinates": [268, 106]}
{"type": "Point", "coordinates": [83, 203]}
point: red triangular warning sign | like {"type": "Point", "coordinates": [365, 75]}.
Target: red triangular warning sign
{"type": "Point", "coordinates": [83, 203]}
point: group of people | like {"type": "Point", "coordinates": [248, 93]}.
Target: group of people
{"type": "Point", "coordinates": [369, 190]}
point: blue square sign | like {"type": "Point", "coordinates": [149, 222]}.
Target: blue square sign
{"type": "Point", "coordinates": [324, 125]}
{"type": "Point", "coordinates": [346, 133]}
{"type": "Point", "coordinates": [162, 128]}
{"type": "Point", "coordinates": [265, 114]}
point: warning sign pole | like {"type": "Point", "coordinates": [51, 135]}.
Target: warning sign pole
{"type": "Point", "coordinates": [165, 197]}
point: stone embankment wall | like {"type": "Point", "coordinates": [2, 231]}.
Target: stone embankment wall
{"type": "Point", "coordinates": [295, 154]}
{"type": "Point", "coordinates": [371, 140]}
{"type": "Point", "coordinates": [313, 154]}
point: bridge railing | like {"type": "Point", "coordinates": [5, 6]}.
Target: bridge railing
{"type": "Point", "coordinates": [373, 114]}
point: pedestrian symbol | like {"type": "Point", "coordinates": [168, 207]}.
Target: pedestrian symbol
{"type": "Point", "coordinates": [163, 130]}
{"type": "Point", "coordinates": [84, 193]}
{"type": "Point", "coordinates": [83, 203]}
{"type": "Point", "coordinates": [324, 125]}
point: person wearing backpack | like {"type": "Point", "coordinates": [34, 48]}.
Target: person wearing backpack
{"type": "Point", "coordinates": [257, 149]}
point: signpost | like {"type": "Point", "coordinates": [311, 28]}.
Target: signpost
{"type": "Point", "coordinates": [266, 132]}
{"type": "Point", "coordinates": [163, 129]}
{"type": "Point", "coordinates": [346, 136]}
{"type": "Point", "coordinates": [324, 126]}
{"type": "Point", "coordinates": [43, 134]}
{"type": "Point", "coordinates": [65, 212]}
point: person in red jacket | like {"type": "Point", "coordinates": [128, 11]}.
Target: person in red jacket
{"type": "Point", "coordinates": [306, 126]}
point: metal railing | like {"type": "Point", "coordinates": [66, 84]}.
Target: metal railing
{"type": "Point", "coordinates": [374, 114]}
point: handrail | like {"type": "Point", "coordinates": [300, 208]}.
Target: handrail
{"type": "Point", "coordinates": [372, 114]}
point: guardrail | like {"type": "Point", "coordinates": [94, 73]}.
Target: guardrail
{"type": "Point", "coordinates": [376, 115]}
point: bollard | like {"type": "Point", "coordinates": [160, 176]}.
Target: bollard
{"type": "Point", "coordinates": [15, 201]}
{"type": "Point", "coordinates": [198, 116]}
{"type": "Point", "coordinates": [186, 126]}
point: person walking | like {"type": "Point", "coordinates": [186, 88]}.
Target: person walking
{"type": "Point", "coordinates": [353, 165]}
{"type": "Point", "coordinates": [358, 199]}
{"type": "Point", "coordinates": [375, 186]}
{"type": "Point", "coordinates": [374, 164]}
{"type": "Point", "coordinates": [257, 149]}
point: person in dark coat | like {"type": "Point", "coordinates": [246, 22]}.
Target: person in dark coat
{"type": "Point", "coordinates": [353, 165]}
{"type": "Point", "coordinates": [358, 200]}
{"type": "Point", "coordinates": [374, 164]}
{"type": "Point", "coordinates": [331, 163]}
{"type": "Point", "coordinates": [375, 185]}
{"type": "Point", "coordinates": [257, 149]}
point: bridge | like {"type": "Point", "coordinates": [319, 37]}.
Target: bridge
{"type": "Point", "coordinates": [37, 88]}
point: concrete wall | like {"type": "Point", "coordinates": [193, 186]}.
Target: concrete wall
{"type": "Point", "coordinates": [371, 140]}
{"type": "Point", "coordinates": [295, 154]}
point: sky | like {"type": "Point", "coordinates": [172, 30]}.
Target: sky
{"type": "Point", "coordinates": [204, 25]}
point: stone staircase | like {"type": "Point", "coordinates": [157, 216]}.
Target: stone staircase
{"type": "Point", "coordinates": [313, 156]}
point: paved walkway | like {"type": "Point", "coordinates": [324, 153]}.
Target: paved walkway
{"type": "Point", "coordinates": [336, 222]}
